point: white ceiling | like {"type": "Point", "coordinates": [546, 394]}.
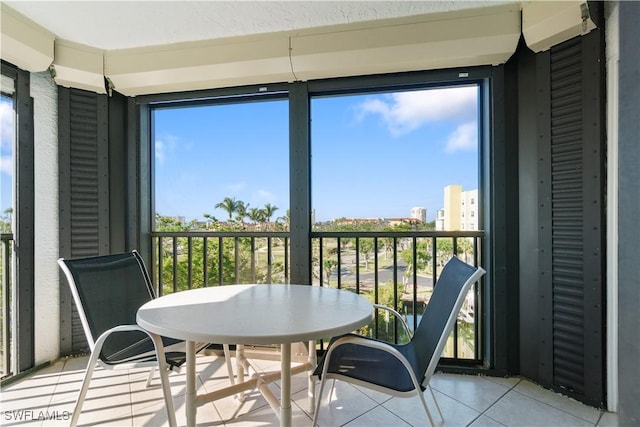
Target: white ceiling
{"type": "Point", "coordinates": [127, 24]}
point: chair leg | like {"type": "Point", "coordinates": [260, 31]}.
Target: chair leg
{"type": "Point", "coordinates": [164, 378]}
{"type": "Point", "coordinates": [150, 377]}
{"type": "Point", "coordinates": [88, 373]}
{"type": "Point", "coordinates": [424, 405]}
{"type": "Point", "coordinates": [433, 396]}
{"type": "Point", "coordinates": [227, 359]}
{"type": "Point", "coordinates": [318, 401]}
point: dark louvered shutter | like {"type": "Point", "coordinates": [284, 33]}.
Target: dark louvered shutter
{"type": "Point", "coordinates": [84, 193]}
{"type": "Point", "coordinates": [577, 219]}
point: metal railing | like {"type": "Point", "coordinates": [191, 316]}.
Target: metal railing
{"type": "Point", "coordinates": [5, 313]}
{"type": "Point", "coordinates": [395, 269]}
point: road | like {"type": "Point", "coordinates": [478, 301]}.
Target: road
{"type": "Point", "coordinates": [384, 274]}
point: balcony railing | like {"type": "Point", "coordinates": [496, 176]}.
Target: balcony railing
{"type": "Point", "coordinates": [5, 311]}
{"type": "Point", "coordinates": [395, 269]}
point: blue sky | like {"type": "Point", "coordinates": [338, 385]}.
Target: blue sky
{"type": "Point", "coordinates": [6, 144]}
{"type": "Point", "coordinates": [373, 156]}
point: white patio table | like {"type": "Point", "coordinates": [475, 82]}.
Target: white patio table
{"type": "Point", "coordinates": [257, 315]}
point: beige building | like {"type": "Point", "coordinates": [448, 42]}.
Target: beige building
{"type": "Point", "coordinates": [460, 210]}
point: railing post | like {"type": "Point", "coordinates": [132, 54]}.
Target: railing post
{"type": "Point", "coordinates": [6, 305]}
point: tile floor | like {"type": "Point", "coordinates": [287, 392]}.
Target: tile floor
{"type": "Point", "coordinates": [119, 398]}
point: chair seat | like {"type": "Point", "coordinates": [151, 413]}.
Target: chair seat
{"type": "Point", "coordinates": [370, 365]}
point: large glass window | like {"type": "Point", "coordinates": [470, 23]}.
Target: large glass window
{"type": "Point", "coordinates": [395, 165]}
{"type": "Point", "coordinates": [387, 172]}
{"type": "Point", "coordinates": [223, 165]}
{"type": "Point", "coordinates": [6, 162]}
{"type": "Point", "coordinates": [222, 168]}
{"type": "Point", "coordinates": [7, 126]}
{"type": "Point", "coordinates": [389, 157]}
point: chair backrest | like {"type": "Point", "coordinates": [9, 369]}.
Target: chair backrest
{"type": "Point", "coordinates": [441, 313]}
{"type": "Point", "coordinates": [107, 291]}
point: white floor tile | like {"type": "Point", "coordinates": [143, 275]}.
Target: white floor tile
{"type": "Point", "coordinates": [484, 421]}
{"type": "Point", "coordinates": [454, 412]}
{"type": "Point", "coordinates": [474, 391]}
{"type": "Point", "coordinates": [346, 404]}
{"type": "Point", "coordinates": [378, 417]}
{"type": "Point", "coordinates": [559, 401]}
{"type": "Point", "coordinates": [516, 409]}
{"type": "Point", "coordinates": [608, 419]}
{"type": "Point", "coordinates": [120, 398]}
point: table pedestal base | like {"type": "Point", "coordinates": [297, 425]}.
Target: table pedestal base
{"type": "Point", "coordinates": [282, 408]}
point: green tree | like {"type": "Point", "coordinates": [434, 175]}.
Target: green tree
{"type": "Point", "coordinates": [242, 211]}
{"type": "Point", "coordinates": [5, 221]}
{"type": "Point", "coordinates": [366, 249]}
{"type": "Point", "coordinates": [328, 266]}
{"type": "Point", "coordinates": [256, 215]}
{"type": "Point", "coordinates": [422, 257]}
{"type": "Point", "coordinates": [210, 219]}
{"type": "Point", "coordinates": [465, 248]}
{"type": "Point", "coordinates": [444, 249]}
{"type": "Point", "coordinates": [269, 211]}
{"type": "Point", "coordinates": [282, 222]}
{"type": "Point", "coordinates": [229, 205]}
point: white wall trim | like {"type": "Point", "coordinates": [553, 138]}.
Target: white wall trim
{"type": "Point", "coordinates": [612, 55]}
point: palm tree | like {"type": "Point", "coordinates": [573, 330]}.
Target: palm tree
{"type": "Point", "coordinates": [286, 219]}
{"type": "Point", "coordinates": [229, 205]}
{"type": "Point", "coordinates": [210, 219]}
{"type": "Point", "coordinates": [256, 215]}
{"type": "Point", "coordinates": [269, 210]}
{"type": "Point", "coordinates": [242, 210]}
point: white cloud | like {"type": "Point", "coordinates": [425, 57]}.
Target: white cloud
{"type": "Point", "coordinates": [404, 112]}
{"type": "Point", "coordinates": [6, 165]}
{"type": "Point", "coordinates": [465, 137]}
{"type": "Point", "coordinates": [165, 147]}
{"type": "Point", "coordinates": [160, 151]}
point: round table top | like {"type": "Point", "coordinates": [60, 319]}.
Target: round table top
{"type": "Point", "coordinates": [256, 314]}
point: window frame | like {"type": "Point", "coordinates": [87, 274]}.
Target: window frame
{"type": "Point", "coordinates": [300, 95]}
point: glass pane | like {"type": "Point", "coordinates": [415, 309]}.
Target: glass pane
{"type": "Point", "coordinates": [6, 163]}
{"type": "Point", "coordinates": [388, 158]}
{"type": "Point", "coordinates": [223, 165]}
{"type": "Point", "coordinates": [7, 126]}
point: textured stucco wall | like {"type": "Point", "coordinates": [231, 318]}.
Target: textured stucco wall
{"type": "Point", "coordinates": [47, 300]}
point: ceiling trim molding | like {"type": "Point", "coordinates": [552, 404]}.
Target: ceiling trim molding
{"type": "Point", "coordinates": [486, 36]}
{"type": "Point", "coordinates": [200, 65]}
{"type": "Point", "coordinates": [79, 66]}
{"type": "Point", "coordinates": [548, 23]}
{"type": "Point", "coordinates": [24, 43]}
{"type": "Point", "coordinates": [470, 37]}
{"type": "Point", "coordinates": [467, 37]}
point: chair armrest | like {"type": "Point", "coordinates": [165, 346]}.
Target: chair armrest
{"type": "Point", "coordinates": [155, 339]}
{"type": "Point", "coordinates": [397, 315]}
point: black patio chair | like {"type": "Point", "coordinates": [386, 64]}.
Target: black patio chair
{"type": "Point", "coordinates": [107, 291]}
{"type": "Point", "coordinates": [402, 370]}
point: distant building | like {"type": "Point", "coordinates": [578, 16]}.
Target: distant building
{"type": "Point", "coordinates": [400, 221]}
{"type": "Point", "coordinates": [419, 213]}
{"type": "Point", "coordinates": [440, 220]}
{"type": "Point", "coordinates": [469, 210]}
{"type": "Point", "coordinates": [460, 210]}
